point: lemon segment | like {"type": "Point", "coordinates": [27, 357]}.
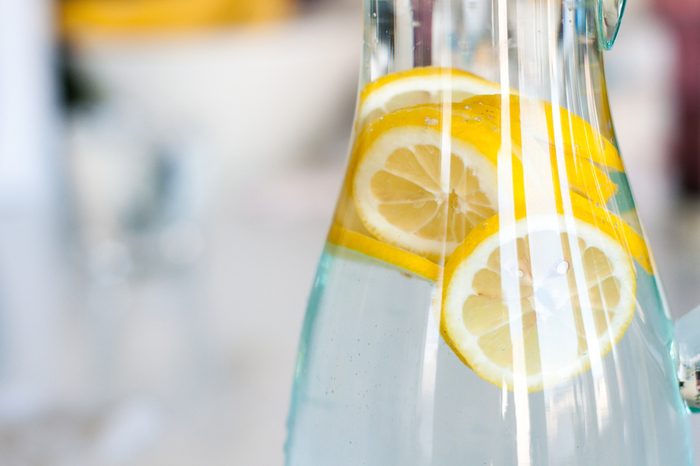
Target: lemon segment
{"type": "Point", "coordinates": [421, 184]}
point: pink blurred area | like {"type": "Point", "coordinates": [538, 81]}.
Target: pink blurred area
{"type": "Point", "coordinates": [166, 183]}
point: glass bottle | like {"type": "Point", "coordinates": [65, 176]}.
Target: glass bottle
{"type": "Point", "coordinates": [486, 296]}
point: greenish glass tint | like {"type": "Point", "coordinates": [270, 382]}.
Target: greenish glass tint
{"type": "Point", "coordinates": [610, 13]}
{"type": "Point", "coordinates": [688, 340]}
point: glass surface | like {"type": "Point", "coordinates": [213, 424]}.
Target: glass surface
{"type": "Point", "coordinates": [486, 295]}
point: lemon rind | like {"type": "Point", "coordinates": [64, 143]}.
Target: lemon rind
{"type": "Point", "coordinates": [404, 260]}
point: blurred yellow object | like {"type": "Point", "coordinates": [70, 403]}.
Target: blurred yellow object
{"type": "Point", "coordinates": [129, 16]}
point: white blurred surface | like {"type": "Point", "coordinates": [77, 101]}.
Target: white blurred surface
{"type": "Point", "coordinates": [192, 353]}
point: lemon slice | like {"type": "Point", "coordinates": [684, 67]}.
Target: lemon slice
{"type": "Point", "coordinates": [633, 243]}
{"type": "Point", "coordinates": [542, 123]}
{"type": "Point", "coordinates": [349, 232]}
{"type": "Point", "coordinates": [423, 189]}
{"type": "Point", "coordinates": [531, 301]}
{"type": "Point", "coordinates": [427, 85]}
{"type": "Point", "coordinates": [584, 176]}
{"type": "Point", "coordinates": [368, 246]}
{"type": "Point", "coordinates": [419, 86]}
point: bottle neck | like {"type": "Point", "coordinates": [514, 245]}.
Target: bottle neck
{"type": "Point", "coordinates": [544, 49]}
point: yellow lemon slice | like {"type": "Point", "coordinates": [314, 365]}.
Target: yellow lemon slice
{"type": "Point", "coordinates": [529, 302]}
{"type": "Point", "coordinates": [404, 260]}
{"type": "Point", "coordinates": [423, 184]}
{"type": "Point", "coordinates": [541, 122]}
{"type": "Point", "coordinates": [419, 86]}
{"type": "Point", "coordinates": [583, 176]}
{"type": "Point", "coordinates": [427, 85]}
{"type": "Point", "coordinates": [633, 243]}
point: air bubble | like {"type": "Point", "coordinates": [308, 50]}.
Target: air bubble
{"type": "Point", "coordinates": [562, 268]}
{"type": "Point", "coordinates": [431, 121]}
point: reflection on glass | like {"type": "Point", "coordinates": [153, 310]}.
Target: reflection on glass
{"type": "Point", "coordinates": [485, 295]}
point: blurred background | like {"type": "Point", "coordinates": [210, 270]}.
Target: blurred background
{"type": "Point", "coordinates": [168, 169]}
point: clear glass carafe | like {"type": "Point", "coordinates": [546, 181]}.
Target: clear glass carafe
{"type": "Point", "coordinates": [486, 296]}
